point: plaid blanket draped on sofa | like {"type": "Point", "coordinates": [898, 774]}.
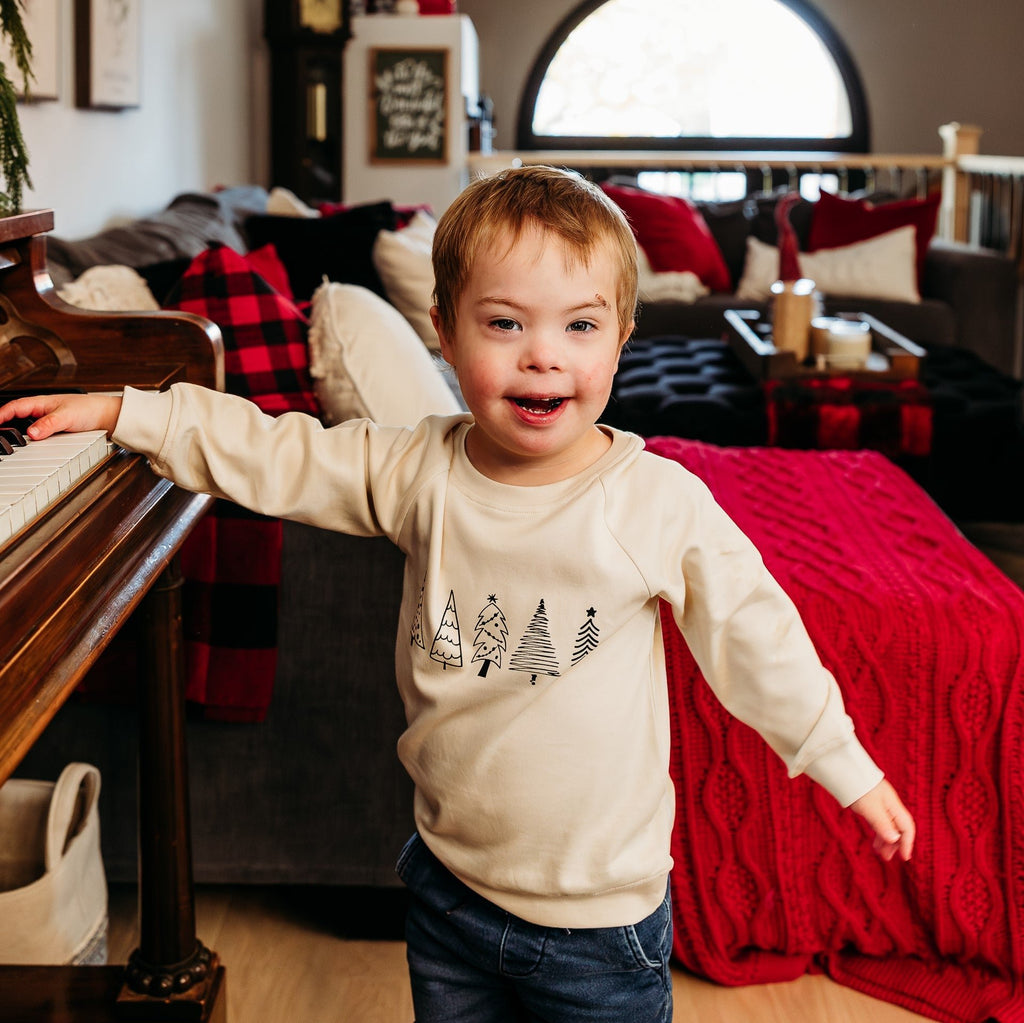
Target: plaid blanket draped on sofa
{"type": "Point", "coordinates": [232, 560]}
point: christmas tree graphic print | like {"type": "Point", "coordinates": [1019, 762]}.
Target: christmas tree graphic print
{"type": "Point", "coordinates": [491, 636]}
{"type": "Point", "coordinates": [447, 645]}
{"type": "Point", "coordinates": [586, 638]}
{"type": "Point", "coordinates": [416, 634]}
{"type": "Point", "coordinates": [536, 652]}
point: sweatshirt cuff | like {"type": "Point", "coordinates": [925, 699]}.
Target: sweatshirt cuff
{"type": "Point", "coordinates": [847, 771]}
{"type": "Point", "coordinates": [142, 423]}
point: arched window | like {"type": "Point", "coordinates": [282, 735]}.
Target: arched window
{"type": "Point", "coordinates": [692, 75]}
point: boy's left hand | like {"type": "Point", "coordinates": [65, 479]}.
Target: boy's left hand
{"type": "Point", "coordinates": [889, 819]}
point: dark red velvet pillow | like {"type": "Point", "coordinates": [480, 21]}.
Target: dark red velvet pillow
{"type": "Point", "coordinates": [673, 234]}
{"type": "Point", "coordinates": [838, 221]}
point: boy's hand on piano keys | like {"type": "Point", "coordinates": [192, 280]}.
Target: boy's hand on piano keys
{"type": "Point", "coordinates": [64, 413]}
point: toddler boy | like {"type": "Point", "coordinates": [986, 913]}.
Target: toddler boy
{"type": "Point", "coordinates": [529, 657]}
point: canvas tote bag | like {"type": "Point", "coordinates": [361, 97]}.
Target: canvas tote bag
{"type": "Point", "coordinates": [53, 891]}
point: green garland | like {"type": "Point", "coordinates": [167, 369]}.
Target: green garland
{"type": "Point", "coordinates": [13, 153]}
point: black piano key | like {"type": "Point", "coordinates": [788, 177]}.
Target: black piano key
{"type": "Point", "coordinates": [12, 435]}
{"type": "Point", "coordinates": [6, 448]}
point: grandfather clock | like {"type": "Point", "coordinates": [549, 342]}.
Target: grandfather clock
{"type": "Point", "coordinates": [307, 42]}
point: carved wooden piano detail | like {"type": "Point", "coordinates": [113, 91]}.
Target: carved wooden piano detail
{"type": "Point", "coordinates": [103, 548]}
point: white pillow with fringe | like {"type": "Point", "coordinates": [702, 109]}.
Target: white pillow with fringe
{"type": "Point", "coordinates": [366, 361]}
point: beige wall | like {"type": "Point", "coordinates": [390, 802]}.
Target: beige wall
{"type": "Point", "coordinates": [201, 122]}
{"type": "Point", "coordinates": [922, 62]}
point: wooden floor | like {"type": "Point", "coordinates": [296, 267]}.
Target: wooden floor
{"type": "Point", "coordinates": [320, 955]}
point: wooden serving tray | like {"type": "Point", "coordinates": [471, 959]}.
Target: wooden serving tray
{"type": "Point", "coordinates": [893, 357]}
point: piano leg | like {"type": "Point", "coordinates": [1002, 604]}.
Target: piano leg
{"type": "Point", "coordinates": [171, 975]}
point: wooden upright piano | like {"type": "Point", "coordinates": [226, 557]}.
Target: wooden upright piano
{"type": "Point", "coordinates": [102, 549]}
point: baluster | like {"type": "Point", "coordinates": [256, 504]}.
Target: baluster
{"type": "Point", "coordinates": [1016, 216]}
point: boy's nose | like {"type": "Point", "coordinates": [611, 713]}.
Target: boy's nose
{"type": "Point", "coordinates": [542, 354]}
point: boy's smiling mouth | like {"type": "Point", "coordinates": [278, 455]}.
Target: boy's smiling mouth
{"type": "Point", "coordinates": [538, 406]}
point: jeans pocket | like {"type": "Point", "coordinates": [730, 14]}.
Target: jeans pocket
{"type": "Point", "coordinates": [429, 880]}
{"type": "Point", "coordinates": [651, 938]}
{"type": "Point", "coordinates": [408, 851]}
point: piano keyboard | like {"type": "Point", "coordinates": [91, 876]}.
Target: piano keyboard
{"type": "Point", "coordinates": [33, 476]}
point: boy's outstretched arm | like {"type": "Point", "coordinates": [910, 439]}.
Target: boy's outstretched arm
{"type": "Point", "coordinates": [64, 413]}
{"type": "Point", "coordinates": [889, 819]}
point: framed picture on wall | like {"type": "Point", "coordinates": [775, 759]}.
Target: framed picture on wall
{"type": "Point", "coordinates": [107, 66]}
{"type": "Point", "coordinates": [42, 26]}
{"type": "Point", "coordinates": [409, 105]}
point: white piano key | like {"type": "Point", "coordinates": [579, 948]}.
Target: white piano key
{"type": "Point", "coordinates": [12, 516]}
{"type": "Point", "coordinates": [36, 475]}
{"type": "Point", "coordinates": [44, 481]}
{"type": "Point", "coordinates": [22, 507]}
{"type": "Point", "coordinates": [21, 495]}
{"type": "Point", "coordinates": [67, 472]}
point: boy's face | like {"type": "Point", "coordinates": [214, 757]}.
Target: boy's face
{"type": "Point", "coordinates": [535, 347]}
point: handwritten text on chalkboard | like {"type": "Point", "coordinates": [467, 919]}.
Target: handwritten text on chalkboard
{"type": "Point", "coordinates": [409, 105]}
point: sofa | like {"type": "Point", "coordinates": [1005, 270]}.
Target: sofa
{"type": "Point", "coordinates": [936, 293]}
{"type": "Point", "coordinates": [308, 789]}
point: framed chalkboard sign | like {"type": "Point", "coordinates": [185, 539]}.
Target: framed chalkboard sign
{"type": "Point", "coordinates": [408, 105]}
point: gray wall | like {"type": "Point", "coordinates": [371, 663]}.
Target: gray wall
{"type": "Point", "coordinates": [922, 62]}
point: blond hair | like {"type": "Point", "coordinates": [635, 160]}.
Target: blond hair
{"type": "Point", "coordinates": [503, 205]}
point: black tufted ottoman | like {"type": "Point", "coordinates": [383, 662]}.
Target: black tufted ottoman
{"type": "Point", "coordinates": [698, 389]}
{"type": "Point", "coordinates": [678, 387]}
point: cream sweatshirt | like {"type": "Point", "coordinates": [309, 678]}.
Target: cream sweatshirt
{"type": "Point", "coordinates": [528, 652]}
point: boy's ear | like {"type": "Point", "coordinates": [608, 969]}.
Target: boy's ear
{"type": "Point", "coordinates": [447, 351]}
{"type": "Point", "coordinates": [626, 335]}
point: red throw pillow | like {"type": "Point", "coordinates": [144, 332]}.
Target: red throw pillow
{"type": "Point", "coordinates": [267, 263]}
{"type": "Point", "coordinates": [266, 358]}
{"type": "Point", "coordinates": [838, 221]}
{"type": "Point", "coordinates": [673, 234]}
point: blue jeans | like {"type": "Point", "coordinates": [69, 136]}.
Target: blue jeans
{"type": "Point", "coordinates": [471, 962]}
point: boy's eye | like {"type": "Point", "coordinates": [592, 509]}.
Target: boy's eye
{"type": "Point", "coordinates": [504, 323]}
{"type": "Point", "coordinates": [580, 326]}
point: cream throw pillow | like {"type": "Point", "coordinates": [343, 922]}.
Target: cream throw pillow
{"type": "Point", "coordinates": [112, 288]}
{"type": "Point", "coordinates": [671, 285]}
{"type": "Point", "coordinates": [882, 267]}
{"type": "Point", "coordinates": [367, 362]}
{"type": "Point", "coordinates": [283, 202]}
{"type": "Point", "coordinates": [402, 259]}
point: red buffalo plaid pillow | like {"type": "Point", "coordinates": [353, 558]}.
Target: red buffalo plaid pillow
{"type": "Point", "coordinates": [232, 560]}
{"type": "Point", "coordinates": [266, 357]}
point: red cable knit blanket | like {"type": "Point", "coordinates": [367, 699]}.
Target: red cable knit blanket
{"type": "Point", "coordinates": [924, 635]}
